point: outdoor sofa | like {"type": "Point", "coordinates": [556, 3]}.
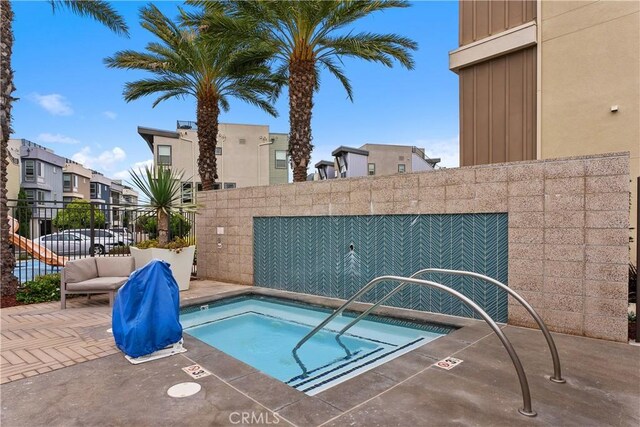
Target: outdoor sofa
{"type": "Point", "coordinates": [95, 275]}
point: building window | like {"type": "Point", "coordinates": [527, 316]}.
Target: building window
{"type": "Point", "coordinates": [29, 170]}
{"type": "Point", "coordinates": [342, 166]}
{"type": "Point", "coordinates": [199, 186]}
{"type": "Point", "coordinates": [229, 185]}
{"type": "Point", "coordinates": [281, 159]}
{"type": "Point", "coordinates": [218, 151]}
{"type": "Point", "coordinates": [164, 155]}
{"type": "Point", "coordinates": [323, 173]}
{"type": "Point", "coordinates": [40, 195]}
{"type": "Point", "coordinates": [401, 168]}
{"type": "Point", "coordinates": [93, 187]}
{"type": "Point", "coordinates": [66, 182]}
{"type": "Point", "coordinates": [75, 182]}
{"type": "Point", "coordinates": [217, 186]}
{"type": "Point", "coordinates": [372, 168]}
{"type": "Point", "coordinates": [30, 194]}
{"type": "Point", "coordinates": [187, 193]}
{"type": "Point", "coordinates": [40, 169]}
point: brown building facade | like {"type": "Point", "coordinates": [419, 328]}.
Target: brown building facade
{"type": "Point", "coordinates": [548, 79]}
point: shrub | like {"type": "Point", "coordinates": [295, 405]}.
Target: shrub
{"type": "Point", "coordinates": [120, 250]}
{"type": "Point", "coordinates": [77, 214]}
{"type": "Point", "coordinates": [178, 226]}
{"type": "Point", "coordinates": [43, 288]}
{"type": "Point", "coordinates": [176, 244]}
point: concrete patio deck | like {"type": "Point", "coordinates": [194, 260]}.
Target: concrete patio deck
{"type": "Point", "coordinates": [603, 378]}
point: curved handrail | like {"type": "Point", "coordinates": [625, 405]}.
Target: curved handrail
{"type": "Point", "coordinates": [557, 372]}
{"type": "Point", "coordinates": [522, 377]}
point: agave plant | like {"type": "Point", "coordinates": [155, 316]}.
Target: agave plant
{"type": "Point", "coordinates": [163, 187]}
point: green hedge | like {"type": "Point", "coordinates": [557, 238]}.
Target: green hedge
{"type": "Point", "coordinates": [43, 288]}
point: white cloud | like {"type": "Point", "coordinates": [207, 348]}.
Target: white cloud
{"type": "Point", "coordinates": [137, 166]}
{"type": "Point", "coordinates": [56, 138]}
{"type": "Point", "coordinates": [54, 103]}
{"type": "Point", "coordinates": [105, 161]}
{"type": "Point", "coordinates": [110, 115]}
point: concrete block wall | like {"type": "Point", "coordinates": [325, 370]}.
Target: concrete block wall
{"type": "Point", "coordinates": [568, 228]}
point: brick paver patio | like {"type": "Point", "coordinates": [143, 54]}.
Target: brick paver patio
{"type": "Point", "coordinates": [39, 338]}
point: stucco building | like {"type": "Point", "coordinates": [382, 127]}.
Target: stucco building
{"type": "Point", "coordinates": [549, 79]}
{"type": "Point", "coordinates": [374, 159]}
{"type": "Point", "coordinates": [247, 155]}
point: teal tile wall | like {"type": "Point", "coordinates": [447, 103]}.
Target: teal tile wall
{"type": "Point", "coordinates": [311, 255]}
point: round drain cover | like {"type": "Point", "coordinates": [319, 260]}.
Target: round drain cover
{"type": "Point", "coordinates": [184, 389]}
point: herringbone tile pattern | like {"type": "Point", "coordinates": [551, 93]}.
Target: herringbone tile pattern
{"type": "Point", "coordinates": [312, 255]}
{"type": "Point", "coordinates": [39, 338]}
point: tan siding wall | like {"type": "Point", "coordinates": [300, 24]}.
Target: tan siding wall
{"type": "Point", "coordinates": [497, 110]}
{"type": "Point", "coordinates": [480, 19]}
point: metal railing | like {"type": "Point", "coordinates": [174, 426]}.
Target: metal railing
{"type": "Point", "coordinates": [557, 371]}
{"type": "Point", "coordinates": [51, 232]}
{"type": "Point", "coordinates": [522, 378]}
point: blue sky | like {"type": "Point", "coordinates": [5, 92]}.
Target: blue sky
{"type": "Point", "coordinates": [70, 102]}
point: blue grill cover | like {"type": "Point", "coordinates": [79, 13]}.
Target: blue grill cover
{"type": "Point", "coordinates": [146, 313]}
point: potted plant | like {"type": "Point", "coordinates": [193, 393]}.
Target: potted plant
{"type": "Point", "coordinates": [163, 188]}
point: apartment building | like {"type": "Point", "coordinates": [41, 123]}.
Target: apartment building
{"type": "Point", "coordinates": [100, 194]}
{"type": "Point", "coordinates": [547, 79]}
{"type": "Point", "coordinates": [75, 181]}
{"type": "Point", "coordinates": [374, 159]}
{"type": "Point", "coordinates": [14, 168]}
{"type": "Point", "coordinates": [247, 155]}
{"type": "Point", "coordinates": [41, 178]}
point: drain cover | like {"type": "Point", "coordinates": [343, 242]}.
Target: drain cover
{"type": "Point", "coordinates": [184, 389]}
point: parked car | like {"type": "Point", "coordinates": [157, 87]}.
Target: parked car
{"type": "Point", "coordinates": [104, 240]}
{"type": "Point", "coordinates": [123, 232]}
{"type": "Point", "coordinates": [65, 243]}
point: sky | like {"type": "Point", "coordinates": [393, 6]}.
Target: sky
{"type": "Point", "coordinates": [70, 102]}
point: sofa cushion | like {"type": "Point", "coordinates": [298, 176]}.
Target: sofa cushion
{"type": "Point", "coordinates": [98, 284]}
{"type": "Point", "coordinates": [79, 270]}
{"type": "Point", "coordinates": [114, 266]}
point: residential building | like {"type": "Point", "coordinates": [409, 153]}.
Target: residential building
{"type": "Point", "coordinates": [75, 181]}
{"type": "Point", "coordinates": [278, 158]}
{"type": "Point", "coordinates": [325, 170]}
{"type": "Point", "coordinates": [376, 159]}
{"type": "Point", "coordinates": [129, 195]}
{"type": "Point", "coordinates": [247, 155]}
{"type": "Point", "coordinates": [100, 193]}
{"type": "Point", "coordinates": [42, 181]}
{"type": "Point", "coordinates": [116, 201]}
{"type": "Point", "coordinates": [547, 79]}
{"type": "Point", "coordinates": [14, 168]}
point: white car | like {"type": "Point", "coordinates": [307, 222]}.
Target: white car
{"type": "Point", "coordinates": [65, 243]}
{"type": "Point", "coordinates": [104, 240]}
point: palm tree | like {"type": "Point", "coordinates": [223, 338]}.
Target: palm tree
{"type": "Point", "coordinates": [163, 188]}
{"type": "Point", "coordinates": [185, 64]}
{"type": "Point", "coordinates": [300, 37]}
{"type": "Point", "coordinates": [99, 10]}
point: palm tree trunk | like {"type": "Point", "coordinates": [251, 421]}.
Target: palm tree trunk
{"type": "Point", "coordinates": [302, 82]}
{"type": "Point", "coordinates": [207, 120]}
{"type": "Point", "coordinates": [9, 283]}
{"type": "Point", "coordinates": [163, 227]}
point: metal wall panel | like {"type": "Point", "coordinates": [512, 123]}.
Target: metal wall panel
{"type": "Point", "coordinates": [498, 109]}
{"type": "Point", "coordinates": [480, 19]}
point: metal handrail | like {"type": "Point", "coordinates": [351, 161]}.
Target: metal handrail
{"type": "Point", "coordinates": [557, 372]}
{"type": "Point", "coordinates": [522, 377]}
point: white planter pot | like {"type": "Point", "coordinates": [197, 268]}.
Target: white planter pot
{"type": "Point", "coordinates": [180, 263]}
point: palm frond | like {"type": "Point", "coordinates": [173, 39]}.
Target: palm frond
{"type": "Point", "coordinates": [99, 10]}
